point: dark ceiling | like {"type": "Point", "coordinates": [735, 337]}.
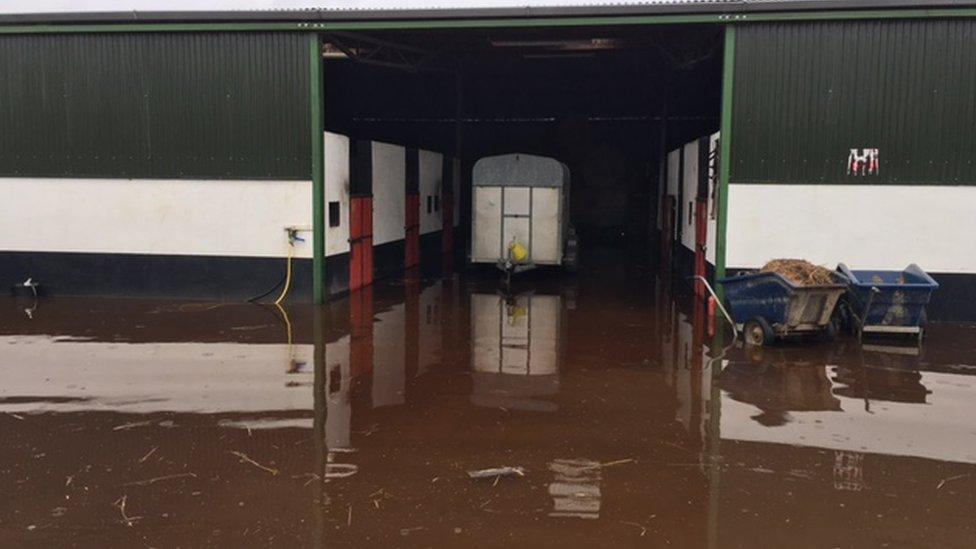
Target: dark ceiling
{"type": "Point", "coordinates": [514, 83]}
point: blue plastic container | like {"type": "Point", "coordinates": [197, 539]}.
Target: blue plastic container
{"type": "Point", "coordinates": [786, 308]}
{"type": "Point", "coordinates": [888, 301]}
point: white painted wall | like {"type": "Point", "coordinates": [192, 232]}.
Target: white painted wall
{"type": "Point", "coordinates": [672, 183]}
{"type": "Point", "coordinates": [389, 192]}
{"type": "Point", "coordinates": [712, 207]}
{"type": "Point", "coordinates": [337, 189]}
{"type": "Point", "coordinates": [688, 183]}
{"type": "Point", "coordinates": [865, 226]}
{"type": "Point", "coordinates": [689, 191]}
{"type": "Point", "coordinates": [674, 161]}
{"type": "Point", "coordinates": [179, 217]}
{"type": "Point", "coordinates": [431, 166]}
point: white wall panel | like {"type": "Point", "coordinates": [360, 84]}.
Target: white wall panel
{"type": "Point", "coordinates": [674, 168]}
{"type": "Point", "coordinates": [431, 166]}
{"type": "Point", "coordinates": [672, 184]}
{"type": "Point", "coordinates": [865, 226]}
{"type": "Point", "coordinates": [712, 207]}
{"type": "Point", "coordinates": [389, 192]}
{"type": "Point", "coordinates": [689, 191]}
{"type": "Point", "coordinates": [337, 190]}
{"type": "Point", "coordinates": [179, 217]}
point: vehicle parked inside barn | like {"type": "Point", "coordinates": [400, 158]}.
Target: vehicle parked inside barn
{"type": "Point", "coordinates": [520, 213]}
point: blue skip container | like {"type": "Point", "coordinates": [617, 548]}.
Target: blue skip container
{"type": "Point", "coordinates": [766, 306]}
{"type": "Point", "coordinates": [888, 302]}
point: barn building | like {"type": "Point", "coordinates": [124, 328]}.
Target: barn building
{"type": "Point", "coordinates": [205, 154]}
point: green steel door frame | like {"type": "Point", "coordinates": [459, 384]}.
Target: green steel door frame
{"type": "Point", "coordinates": [318, 164]}
{"type": "Point", "coordinates": [724, 155]}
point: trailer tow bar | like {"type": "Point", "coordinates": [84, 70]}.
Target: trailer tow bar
{"type": "Point", "coordinates": [735, 331]}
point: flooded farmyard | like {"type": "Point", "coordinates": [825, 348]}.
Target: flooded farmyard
{"type": "Point", "coordinates": [137, 423]}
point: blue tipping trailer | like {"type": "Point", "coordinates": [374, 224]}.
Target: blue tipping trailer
{"type": "Point", "coordinates": [888, 302]}
{"type": "Point", "coordinates": [766, 306]}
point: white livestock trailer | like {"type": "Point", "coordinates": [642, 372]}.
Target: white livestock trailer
{"type": "Point", "coordinates": [520, 213]}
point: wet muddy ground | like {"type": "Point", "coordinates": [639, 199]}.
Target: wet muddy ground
{"type": "Point", "coordinates": [160, 424]}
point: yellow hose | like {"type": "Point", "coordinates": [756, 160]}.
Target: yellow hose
{"type": "Point", "coordinates": [284, 291]}
{"type": "Point", "coordinates": [284, 316]}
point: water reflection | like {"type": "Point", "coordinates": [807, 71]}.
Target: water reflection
{"type": "Point", "coordinates": [373, 408]}
{"type": "Point", "coordinates": [575, 488]}
{"type": "Point", "coordinates": [777, 382]}
{"type": "Point", "coordinates": [685, 357]}
{"type": "Point", "coordinates": [881, 373]}
{"type": "Point", "coordinates": [45, 374]}
{"type": "Point", "coordinates": [797, 390]}
{"type": "Point", "coordinates": [515, 350]}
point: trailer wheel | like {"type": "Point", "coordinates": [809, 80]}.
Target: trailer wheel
{"type": "Point", "coordinates": [757, 332]}
{"type": "Point", "coordinates": [843, 316]}
{"type": "Point", "coordinates": [829, 332]}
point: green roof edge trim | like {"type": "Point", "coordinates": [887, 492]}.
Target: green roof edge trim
{"type": "Point", "coordinates": [324, 26]}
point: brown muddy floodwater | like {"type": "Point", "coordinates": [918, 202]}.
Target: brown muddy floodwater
{"type": "Point", "coordinates": [159, 424]}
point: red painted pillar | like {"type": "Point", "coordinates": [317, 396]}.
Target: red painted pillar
{"type": "Point", "coordinates": [360, 242]}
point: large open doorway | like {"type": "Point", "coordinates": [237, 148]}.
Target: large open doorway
{"type": "Point", "coordinates": [610, 102]}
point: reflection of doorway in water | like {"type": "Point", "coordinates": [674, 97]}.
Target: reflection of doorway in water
{"type": "Point", "coordinates": [515, 350]}
{"type": "Point", "coordinates": [848, 471]}
{"type": "Point", "coordinates": [575, 488]}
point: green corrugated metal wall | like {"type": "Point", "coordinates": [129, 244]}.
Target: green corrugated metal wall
{"type": "Point", "coordinates": [806, 93]}
{"type": "Point", "coordinates": [206, 105]}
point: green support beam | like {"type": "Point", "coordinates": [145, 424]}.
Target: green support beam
{"type": "Point", "coordinates": [724, 155]}
{"type": "Point", "coordinates": [318, 173]}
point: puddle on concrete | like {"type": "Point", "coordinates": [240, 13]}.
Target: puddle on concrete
{"type": "Point", "coordinates": [128, 423]}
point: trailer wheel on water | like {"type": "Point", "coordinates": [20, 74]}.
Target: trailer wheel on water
{"type": "Point", "coordinates": [758, 332]}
